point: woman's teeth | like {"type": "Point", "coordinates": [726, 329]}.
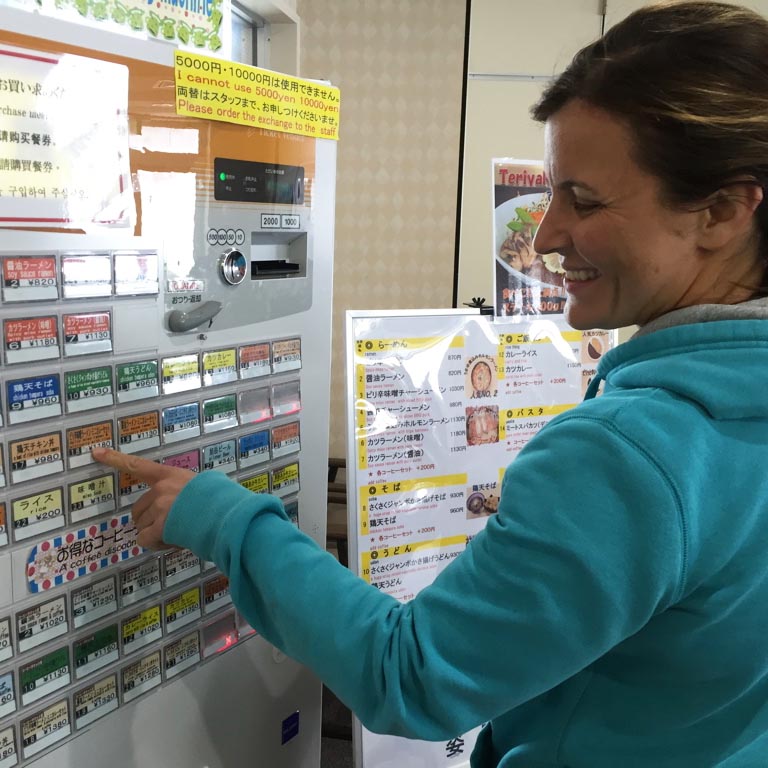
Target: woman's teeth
{"type": "Point", "coordinates": [579, 275]}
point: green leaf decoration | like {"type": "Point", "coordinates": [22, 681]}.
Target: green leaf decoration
{"type": "Point", "coordinates": [524, 216]}
{"type": "Point", "coordinates": [515, 226]}
{"type": "Point", "coordinates": [214, 42]}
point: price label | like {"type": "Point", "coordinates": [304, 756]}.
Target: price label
{"type": "Point", "coordinates": [216, 593]}
{"type": "Point", "coordinates": [43, 676]}
{"type": "Point", "coordinates": [3, 525]}
{"type": "Point", "coordinates": [253, 406]}
{"type": "Point", "coordinates": [95, 651]}
{"type": "Point", "coordinates": [180, 565]}
{"type": "Point", "coordinates": [7, 696]}
{"type": "Point", "coordinates": [95, 701]}
{"type": "Point", "coordinates": [220, 635]}
{"type": "Point", "coordinates": [139, 432]}
{"type": "Point", "coordinates": [94, 602]}
{"type": "Point", "coordinates": [182, 610]}
{"type": "Point", "coordinates": [87, 333]}
{"type": "Point", "coordinates": [8, 754]}
{"type": "Point", "coordinates": [220, 456]}
{"type": "Point", "coordinates": [92, 497]}
{"type": "Point", "coordinates": [35, 457]}
{"type": "Point", "coordinates": [41, 623]}
{"type": "Point", "coordinates": [286, 398]}
{"type": "Point", "coordinates": [219, 367]}
{"type": "Point", "coordinates": [37, 514]}
{"type": "Point", "coordinates": [137, 381]}
{"type": "Point", "coordinates": [29, 339]}
{"type": "Point", "coordinates": [188, 460]}
{"type": "Point", "coordinates": [87, 389]}
{"type": "Point", "coordinates": [140, 581]}
{"type": "Point", "coordinates": [82, 440]}
{"type": "Point", "coordinates": [33, 398]}
{"type": "Point", "coordinates": [286, 439]}
{"type": "Point", "coordinates": [136, 273]}
{"type": "Point", "coordinates": [254, 361]}
{"type": "Point", "coordinates": [129, 488]}
{"type": "Point", "coordinates": [141, 629]}
{"type": "Point", "coordinates": [182, 654]}
{"type": "Point", "coordinates": [181, 422]}
{"type": "Point", "coordinates": [285, 480]}
{"type": "Point", "coordinates": [286, 355]}
{"type": "Point", "coordinates": [86, 275]}
{"type": "Point", "coordinates": [257, 483]}
{"type": "Point", "coordinates": [292, 510]}
{"type": "Point", "coordinates": [45, 728]}
{"type": "Point", "coordinates": [141, 676]}
{"type": "Point", "coordinates": [253, 448]}
{"type": "Point", "coordinates": [6, 644]}
{"type": "Point", "coordinates": [2, 467]}
{"type": "Point", "coordinates": [29, 278]}
{"type": "Point", "coordinates": [180, 374]}
{"type": "Point", "coordinates": [219, 413]}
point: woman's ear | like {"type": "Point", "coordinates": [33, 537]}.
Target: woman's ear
{"type": "Point", "coordinates": [729, 214]}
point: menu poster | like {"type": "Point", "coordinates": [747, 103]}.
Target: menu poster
{"type": "Point", "coordinates": [526, 282]}
{"type": "Point", "coordinates": [440, 403]}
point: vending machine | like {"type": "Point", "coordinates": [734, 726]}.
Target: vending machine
{"type": "Point", "coordinates": [166, 290]}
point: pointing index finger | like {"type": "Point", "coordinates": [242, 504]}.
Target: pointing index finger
{"type": "Point", "coordinates": [144, 469]}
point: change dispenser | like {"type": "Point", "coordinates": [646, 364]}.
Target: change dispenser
{"type": "Point", "coordinates": [166, 288]}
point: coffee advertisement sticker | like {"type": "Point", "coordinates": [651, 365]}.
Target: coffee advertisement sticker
{"type": "Point", "coordinates": [35, 457]}
{"type": "Point", "coordinates": [43, 676]}
{"type": "Point", "coordinates": [219, 367]}
{"type": "Point", "coordinates": [7, 696]}
{"type": "Point", "coordinates": [254, 360]}
{"type": "Point", "coordinates": [95, 651]}
{"type": "Point", "coordinates": [180, 565]}
{"type": "Point", "coordinates": [182, 609]}
{"type": "Point", "coordinates": [286, 439]}
{"type": "Point", "coordinates": [253, 448]}
{"type": "Point", "coordinates": [219, 413]}
{"type": "Point", "coordinates": [220, 456]}
{"type": "Point", "coordinates": [82, 440]}
{"type": "Point", "coordinates": [33, 398]}
{"type": "Point", "coordinates": [253, 405]}
{"type": "Point", "coordinates": [45, 728]}
{"type": "Point", "coordinates": [94, 601]}
{"type": "Point", "coordinates": [140, 581]}
{"type": "Point", "coordinates": [87, 333]}
{"type": "Point", "coordinates": [30, 339]}
{"type": "Point", "coordinates": [180, 374]}
{"type": "Point", "coordinates": [286, 355]}
{"type": "Point", "coordinates": [141, 676]}
{"type": "Point", "coordinates": [285, 480]}
{"type": "Point", "coordinates": [188, 460]}
{"type": "Point", "coordinates": [216, 593]}
{"type": "Point", "coordinates": [86, 275]}
{"type": "Point", "coordinates": [141, 629]}
{"type": "Point", "coordinates": [37, 514]}
{"type": "Point", "coordinates": [91, 498]}
{"type": "Point", "coordinates": [182, 654]}
{"type": "Point", "coordinates": [181, 422]}
{"type": "Point", "coordinates": [29, 278]}
{"type": "Point", "coordinates": [6, 642]}
{"type": "Point", "coordinates": [139, 432]}
{"type": "Point", "coordinates": [81, 552]}
{"type": "Point", "coordinates": [88, 389]}
{"type": "Point", "coordinates": [8, 754]}
{"type": "Point", "coordinates": [41, 623]}
{"type": "Point", "coordinates": [137, 381]}
{"type": "Point", "coordinates": [95, 701]}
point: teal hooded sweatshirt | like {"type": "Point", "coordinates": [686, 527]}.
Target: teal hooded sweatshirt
{"type": "Point", "coordinates": [613, 613]}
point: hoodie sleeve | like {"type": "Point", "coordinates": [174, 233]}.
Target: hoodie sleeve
{"type": "Point", "coordinates": [586, 547]}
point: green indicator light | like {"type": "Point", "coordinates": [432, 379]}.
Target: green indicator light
{"type": "Point", "coordinates": [223, 176]}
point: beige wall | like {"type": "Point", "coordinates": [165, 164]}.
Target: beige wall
{"type": "Point", "coordinates": [399, 64]}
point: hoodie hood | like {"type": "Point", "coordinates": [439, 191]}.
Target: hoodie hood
{"type": "Point", "coordinates": [698, 353]}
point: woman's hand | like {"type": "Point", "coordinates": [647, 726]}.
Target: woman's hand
{"type": "Point", "coordinates": [165, 484]}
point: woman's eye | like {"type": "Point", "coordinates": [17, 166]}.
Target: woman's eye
{"type": "Point", "coordinates": [585, 207]}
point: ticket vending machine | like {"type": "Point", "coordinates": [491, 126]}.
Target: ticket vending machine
{"type": "Point", "coordinates": [166, 288]}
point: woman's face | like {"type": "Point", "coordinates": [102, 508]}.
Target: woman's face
{"type": "Point", "coordinates": [628, 258]}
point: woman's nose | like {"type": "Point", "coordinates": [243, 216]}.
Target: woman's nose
{"type": "Point", "coordinates": [550, 236]}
